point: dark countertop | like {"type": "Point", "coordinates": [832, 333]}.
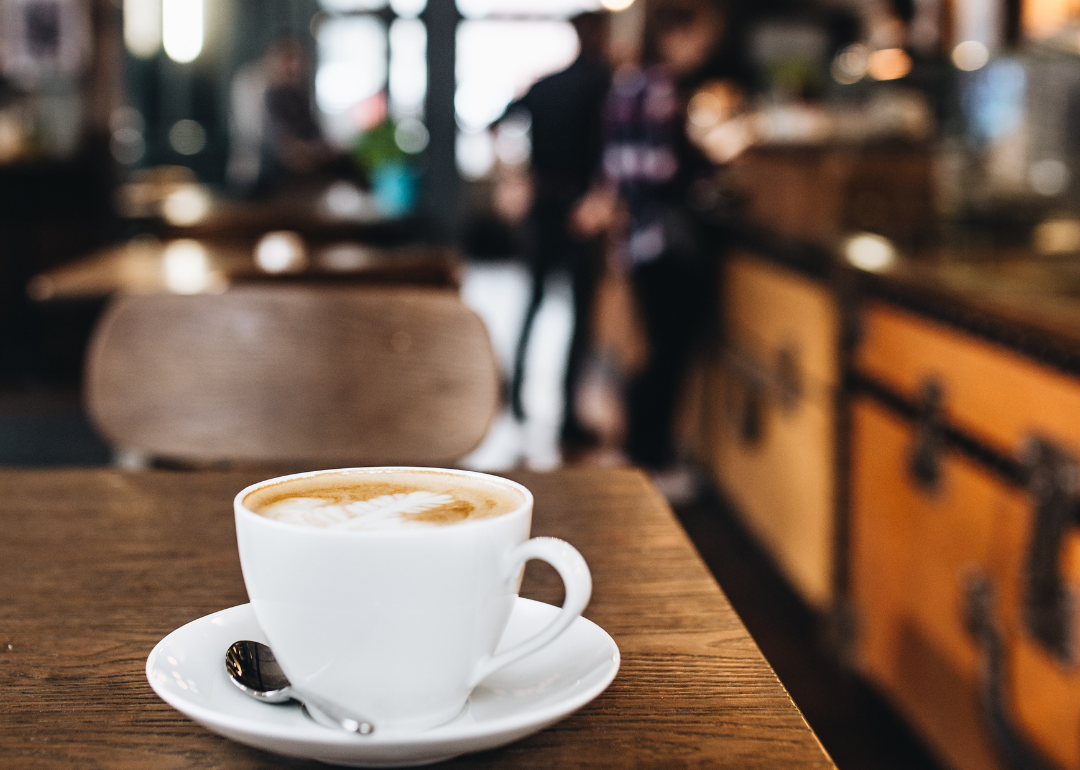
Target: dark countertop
{"type": "Point", "coordinates": [1011, 296]}
{"type": "Point", "coordinates": [1020, 300]}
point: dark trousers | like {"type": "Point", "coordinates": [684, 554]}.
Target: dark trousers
{"type": "Point", "coordinates": [675, 302]}
{"type": "Point", "coordinates": [551, 247]}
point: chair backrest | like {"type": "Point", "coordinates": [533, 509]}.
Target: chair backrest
{"type": "Point", "coordinates": [288, 373]}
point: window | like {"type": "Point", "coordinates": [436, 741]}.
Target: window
{"type": "Point", "coordinates": [503, 47]}
{"type": "Point", "coordinates": [368, 66]}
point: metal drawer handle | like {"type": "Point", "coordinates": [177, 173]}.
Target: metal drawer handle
{"type": "Point", "coordinates": [747, 414]}
{"type": "Point", "coordinates": [1049, 603]}
{"type": "Point", "coordinates": [924, 462]}
{"type": "Point", "coordinates": [1016, 752]}
{"type": "Point", "coordinates": [782, 383]}
{"type": "Point", "coordinates": [787, 378]}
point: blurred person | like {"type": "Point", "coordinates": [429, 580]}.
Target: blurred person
{"type": "Point", "coordinates": [565, 109]}
{"type": "Point", "coordinates": [247, 124]}
{"type": "Point", "coordinates": [275, 135]}
{"type": "Point", "coordinates": [654, 169]}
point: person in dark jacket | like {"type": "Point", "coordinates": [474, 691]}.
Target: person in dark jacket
{"type": "Point", "coordinates": [565, 110]}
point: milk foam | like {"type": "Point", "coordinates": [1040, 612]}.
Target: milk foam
{"type": "Point", "coordinates": [382, 499]}
{"type": "Point", "coordinates": [379, 513]}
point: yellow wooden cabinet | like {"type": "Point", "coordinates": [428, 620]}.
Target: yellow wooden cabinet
{"type": "Point", "coordinates": [964, 540]}
{"type": "Point", "coordinates": [770, 406]}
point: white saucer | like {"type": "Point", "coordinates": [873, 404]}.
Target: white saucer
{"type": "Point", "coordinates": [187, 669]}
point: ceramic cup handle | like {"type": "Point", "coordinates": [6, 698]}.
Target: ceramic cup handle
{"type": "Point", "coordinates": [578, 584]}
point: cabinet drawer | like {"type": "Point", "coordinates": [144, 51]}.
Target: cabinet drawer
{"type": "Point", "coordinates": [997, 396]}
{"type": "Point", "coordinates": [769, 309]}
{"type": "Point", "coordinates": [771, 418]}
{"type": "Point", "coordinates": [779, 474]}
{"type": "Point", "coordinates": [919, 559]}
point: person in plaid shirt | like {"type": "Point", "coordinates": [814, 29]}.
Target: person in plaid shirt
{"type": "Point", "coordinates": [650, 161]}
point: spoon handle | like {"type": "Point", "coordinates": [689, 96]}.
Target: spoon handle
{"type": "Point", "coordinates": [323, 711]}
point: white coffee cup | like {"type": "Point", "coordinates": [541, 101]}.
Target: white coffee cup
{"type": "Point", "coordinates": [397, 626]}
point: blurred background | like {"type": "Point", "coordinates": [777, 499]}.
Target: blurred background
{"type": "Point", "coordinates": [810, 263]}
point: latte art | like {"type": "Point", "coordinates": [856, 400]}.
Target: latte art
{"type": "Point", "coordinates": [401, 509]}
{"type": "Point", "coordinates": [378, 501]}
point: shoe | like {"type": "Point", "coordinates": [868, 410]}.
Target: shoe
{"type": "Point", "coordinates": [576, 435]}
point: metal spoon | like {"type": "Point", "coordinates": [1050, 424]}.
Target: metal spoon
{"type": "Point", "coordinates": [255, 671]}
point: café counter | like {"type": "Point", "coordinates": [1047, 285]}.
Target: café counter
{"type": "Point", "coordinates": [918, 420]}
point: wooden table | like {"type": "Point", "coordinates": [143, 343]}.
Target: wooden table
{"type": "Point", "coordinates": [97, 565]}
{"type": "Point", "coordinates": [150, 266]}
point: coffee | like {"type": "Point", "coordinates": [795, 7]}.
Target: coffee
{"type": "Point", "coordinates": [395, 619]}
{"type": "Point", "coordinates": [382, 500]}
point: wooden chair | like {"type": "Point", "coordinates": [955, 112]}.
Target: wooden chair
{"type": "Point", "coordinates": [282, 374]}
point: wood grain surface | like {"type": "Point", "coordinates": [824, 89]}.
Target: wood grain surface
{"type": "Point", "coordinates": [139, 267]}
{"type": "Point", "coordinates": [96, 566]}
{"type": "Point", "coordinates": [339, 376]}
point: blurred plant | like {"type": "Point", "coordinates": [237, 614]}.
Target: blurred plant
{"type": "Point", "coordinates": [793, 78]}
{"type": "Point", "coordinates": [389, 168]}
{"type": "Point", "coordinates": [377, 146]}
